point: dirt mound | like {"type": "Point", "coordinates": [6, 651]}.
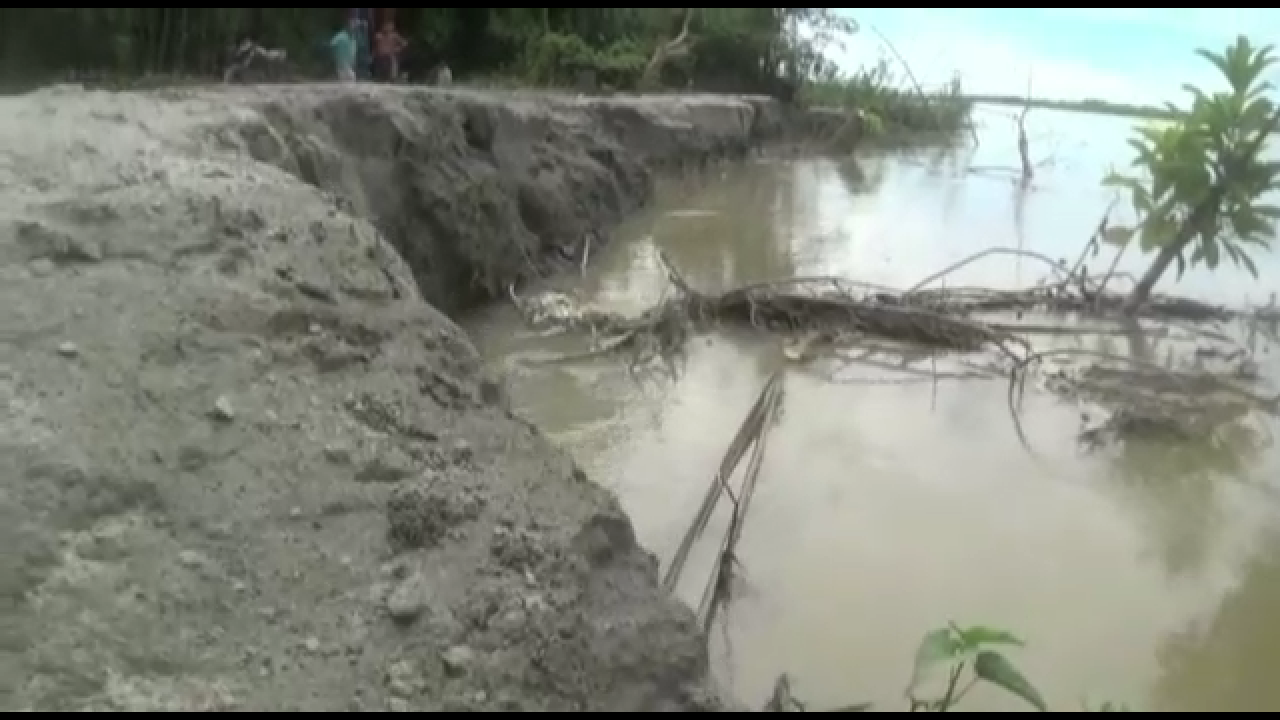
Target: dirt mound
{"type": "Point", "coordinates": [245, 466]}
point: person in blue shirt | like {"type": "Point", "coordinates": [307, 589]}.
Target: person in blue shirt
{"type": "Point", "coordinates": [344, 47]}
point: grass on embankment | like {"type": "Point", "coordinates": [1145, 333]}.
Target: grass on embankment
{"type": "Point", "coordinates": [894, 113]}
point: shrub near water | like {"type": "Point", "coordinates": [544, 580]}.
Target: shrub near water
{"type": "Point", "coordinates": [556, 60]}
{"type": "Point", "coordinates": [1197, 181]}
{"type": "Point", "coordinates": [891, 110]}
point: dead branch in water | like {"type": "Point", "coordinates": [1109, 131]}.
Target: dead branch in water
{"type": "Point", "coordinates": [752, 434]}
{"type": "Point", "coordinates": [718, 591]}
{"type": "Point", "coordinates": [748, 434]}
{"type": "Point", "coordinates": [1054, 265]}
{"type": "Point", "coordinates": [835, 312]}
{"type": "Point", "coordinates": [1092, 245]}
{"type": "Point", "coordinates": [823, 306]}
{"type": "Point", "coordinates": [838, 310]}
{"type": "Point", "coordinates": [931, 317]}
{"type": "Point", "coordinates": [1024, 151]}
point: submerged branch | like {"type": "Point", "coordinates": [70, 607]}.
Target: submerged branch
{"type": "Point", "coordinates": [1024, 151]}
{"type": "Point", "coordinates": [718, 591]}
{"type": "Point", "coordinates": [829, 312]}
{"type": "Point", "coordinates": [748, 433]}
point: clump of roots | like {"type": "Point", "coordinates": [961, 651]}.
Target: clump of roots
{"type": "Point", "coordinates": [821, 307]}
{"type": "Point", "coordinates": [1139, 399]}
{"type": "Point", "coordinates": [1130, 401]}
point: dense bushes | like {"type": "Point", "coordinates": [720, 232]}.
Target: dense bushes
{"type": "Point", "coordinates": [737, 49]}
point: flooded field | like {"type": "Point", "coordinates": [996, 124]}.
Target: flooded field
{"type": "Point", "coordinates": [889, 504]}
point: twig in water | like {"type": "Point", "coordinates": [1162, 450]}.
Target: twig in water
{"type": "Point", "coordinates": [717, 592]}
{"type": "Point", "coordinates": [933, 390]}
{"type": "Point", "coordinates": [1183, 381]}
{"type": "Point", "coordinates": [747, 434]}
{"type": "Point", "coordinates": [903, 61]}
{"type": "Point", "coordinates": [782, 699]}
{"type": "Point", "coordinates": [1115, 262]}
{"type": "Point", "coordinates": [1018, 378]}
{"type": "Point", "coordinates": [1093, 241]}
{"type": "Point", "coordinates": [606, 347]}
{"type": "Point", "coordinates": [978, 256]}
{"type": "Point", "coordinates": [1018, 328]}
{"type": "Point", "coordinates": [1023, 150]}
{"type": "Point", "coordinates": [1016, 386]}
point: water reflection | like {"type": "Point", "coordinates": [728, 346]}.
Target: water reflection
{"type": "Point", "coordinates": [887, 507]}
{"type": "Point", "coordinates": [1224, 663]}
{"type": "Point", "coordinates": [1021, 189]}
{"type": "Point", "coordinates": [862, 176]}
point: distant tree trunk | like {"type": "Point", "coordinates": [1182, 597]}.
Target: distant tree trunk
{"type": "Point", "coordinates": [677, 47]}
{"type": "Point", "coordinates": [1024, 150]}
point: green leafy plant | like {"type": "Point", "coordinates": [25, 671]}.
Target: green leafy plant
{"type": "Point", "coordinates": [1199, 177]}
{"type": "Point", "coordinates": [967, 656]}
{"type": "Point", "coordinates": [961, 658]}
{"type": "Point", "coordinates": [556, 59]}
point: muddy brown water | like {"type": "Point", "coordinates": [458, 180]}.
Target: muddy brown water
{"type": "Point", "coordinates": [887, 506]}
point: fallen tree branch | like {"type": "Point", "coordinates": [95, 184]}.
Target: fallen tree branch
{"type": "Point", "coordinates": [748, 434]}
{"type": "Point", "coordinates": [718, 591]}
{"type": "Point", "coordinates": [835, 312]}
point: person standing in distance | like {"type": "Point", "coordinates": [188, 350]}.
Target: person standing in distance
{"type": "Point", "coordinates": [387, 47]}
{"type": "Point", "coordinates": [343, 46]}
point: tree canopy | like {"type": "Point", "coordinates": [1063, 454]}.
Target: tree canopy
{"type": "Point", "coordinates": [734, 49]}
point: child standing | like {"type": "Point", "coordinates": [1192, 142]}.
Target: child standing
{"type": "Point", "coordinates": [343, 45]}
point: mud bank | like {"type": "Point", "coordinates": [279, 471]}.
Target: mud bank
{"type": "Point", "coordinates": [478, 191]}
{"type": "Point", "coordinates": [245, 466]}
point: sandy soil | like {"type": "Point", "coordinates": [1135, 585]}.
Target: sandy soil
{"type": "Point", "coordinates": [246, 467]}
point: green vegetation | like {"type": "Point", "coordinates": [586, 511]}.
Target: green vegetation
{"type": "Point", "coordinates": [891, 110]}
{"type": "Point", "coordinates": [774, 51]}
{"type": "Point", "coordinates": [952, 661]}
{"type": "Point", "coordinates": [1088, 105]}
{"type": "Point", "coordinates": [730, 49]}
{"type": "Point", "coordinates": [957, 650]}
{"type": "Point", "coordinates": [1199, 177]}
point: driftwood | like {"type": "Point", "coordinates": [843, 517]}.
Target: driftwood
{"type": "Point", "coordinates": [833, 312]}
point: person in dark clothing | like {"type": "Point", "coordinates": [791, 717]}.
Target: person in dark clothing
{"type": "Point", "coordinates": [388, 44]}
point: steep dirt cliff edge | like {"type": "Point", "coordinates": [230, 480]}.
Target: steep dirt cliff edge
{"type": "Point", "coordinates": [244, 465]}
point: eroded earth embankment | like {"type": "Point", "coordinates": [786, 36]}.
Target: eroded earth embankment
{"type": "Point", "coordinates": [244, 465]}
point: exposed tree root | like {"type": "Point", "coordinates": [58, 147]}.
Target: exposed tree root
{"type": "Point", "coordinates": [924, 323]}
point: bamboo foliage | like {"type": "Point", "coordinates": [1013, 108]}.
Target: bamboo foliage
{"type": "Point", "coordinates": [748, 49]}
